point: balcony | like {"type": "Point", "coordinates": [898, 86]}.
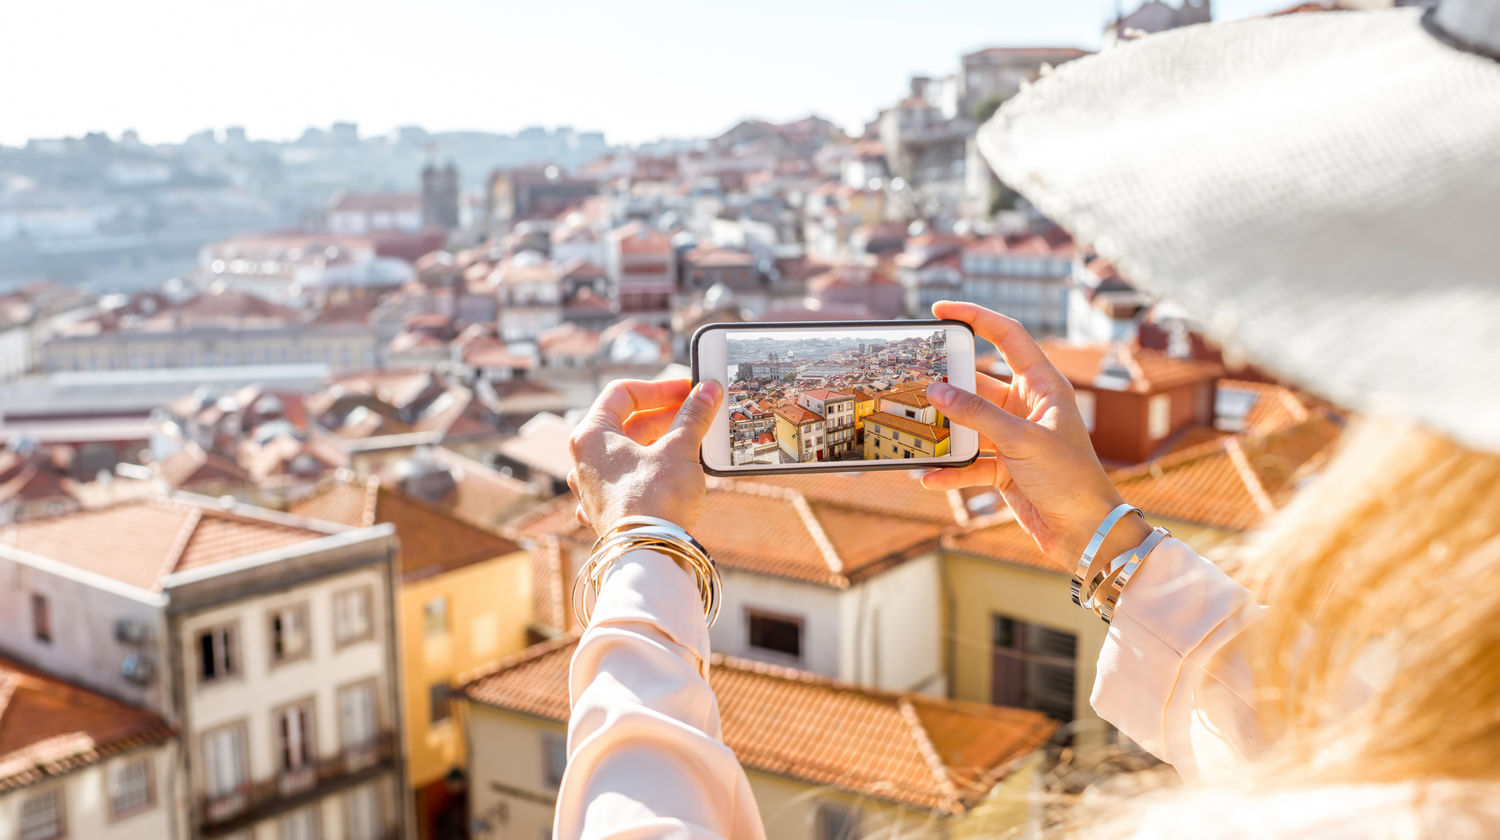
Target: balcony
{"type": "Point", "coordinates": [257, 800]}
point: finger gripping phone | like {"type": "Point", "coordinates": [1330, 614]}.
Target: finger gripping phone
{"type": "Point", "coordinates": [834, 396]}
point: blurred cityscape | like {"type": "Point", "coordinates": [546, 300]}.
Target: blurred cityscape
{"type": "Point", "coordinates": [283, 502]}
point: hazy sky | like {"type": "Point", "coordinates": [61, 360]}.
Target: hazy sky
{"type": "Point", "coordinates": [637, 70]}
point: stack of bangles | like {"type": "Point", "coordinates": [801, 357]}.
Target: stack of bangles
{"type": "Point", "coordinates": [1099, 593]}
{"type": "Point", "coordinates": [652, 534]}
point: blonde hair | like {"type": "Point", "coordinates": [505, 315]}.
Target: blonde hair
{"type": "Point", "coordinates": [1379, 656]}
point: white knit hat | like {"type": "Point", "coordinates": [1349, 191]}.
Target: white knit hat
{"type": "Point", "coordinates": [1322, 190]}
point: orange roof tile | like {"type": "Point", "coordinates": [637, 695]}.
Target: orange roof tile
{"type": "Point", "coordinates": [925, 431]}
{"type": "Point", "coordinates": [49, 727]}
{"type": "Point", "coordinates": [139, 543]}
{"type": "Point", "coordinates": [797, 415]}
{"type": "Point", "coordinates": [912, 395]}
{"type": "Point", "coordinates": [772, 529]}
{"type": "Point", "coordinates": [1276, 407]}
{"type": "Point", "coordinates": [1000, 538]}
{"type": "Point", "coordinates": [1150, 370]}
{"type": "Point", "coordinates": [432, 541]}
{"type": "Point", "coordinates": [825, 395]}
{"type": "Point", "coordinates": [940, 755]}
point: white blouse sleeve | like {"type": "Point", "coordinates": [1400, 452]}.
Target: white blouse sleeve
{"type": "Point", "coordinates": [645, 755]}
{"type": "Point", "coordinates": [1174, 673]}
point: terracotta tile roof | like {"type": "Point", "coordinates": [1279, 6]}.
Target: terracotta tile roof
{"type": "Point", "coordinates": [925, 431]}
{"type": "Point", "coordinates": [1276, 407]}
{"type": "Point", "coordinates": [886, 492]}
{"type": "Point", "coordinates": [824, 395]}
{"type": "Point", "coordinates": [797, 415]}
{"type": "Point", "coordinates": [139, 543]}
{"type": "Point", "coordinates": [939, 755]}
{"type": "Point", "coordinates": [773, 529]}
{"type": "Point", "coordinates": [711, 257]}
{"type": "Point", "coordinates": [1000, 538]}
{"type": "Point", "coordinates": [1232, 484]}
{"type": "Point", "coordinates": [49, 727]}
{"type": "Point", "coordinates": [912, 395]}
{"type": "Point", "coordinates": [481, 496]}
{"type": "Point", "coordinates": [541, 445]}
{"type": "Point", "coordinates": [192, 465]}
{"type": "Point", "coordinates": [1150, 370]}
{"type": "Point", "coordinates": [432, 541]}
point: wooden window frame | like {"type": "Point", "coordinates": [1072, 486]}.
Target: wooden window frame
{"type": "Point", "coordinates": [310, 738]}
{"type": "Point", "coordinates": [304, 613]}
{"type": "Point", "coordinates": [235, 649]}
{"type": "Point", "coordinates": [59, 803]}
{"type": "Point", "coordinates": [800, 621]}
{"type": "Point", "coordinates": [366, 592]}
{"type": "Point", "coordinates": [149, 762]}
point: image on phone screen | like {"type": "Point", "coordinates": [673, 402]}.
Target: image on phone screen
{"type": "Point", "coordinates": [835, 397]}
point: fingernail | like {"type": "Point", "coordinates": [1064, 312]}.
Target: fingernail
{"type": "Point", "coordinates": [941, 393]}
{"type": "Point", "coordinates": [707, 391]}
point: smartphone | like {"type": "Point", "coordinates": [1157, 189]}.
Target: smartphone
{"type": "Point", "coordinates": [834, 396]}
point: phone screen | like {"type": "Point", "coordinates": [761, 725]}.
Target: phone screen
{"type": "Point", "coordinates": [836, 397]}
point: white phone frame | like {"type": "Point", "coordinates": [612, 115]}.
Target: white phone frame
{"type": "Point", "coordinates": [710, 359]}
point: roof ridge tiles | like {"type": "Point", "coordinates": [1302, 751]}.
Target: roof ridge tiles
{"type": "Point", "coordinates": [820, 538]}
{"type": "Point", "coordinates": [180, 543]}
{"type": "Point", "coordinates": [940, 774]}
{"type": "Point", "coordinates": [515, 660]}
{"type": "Point", "coordinates": [1247, 475]}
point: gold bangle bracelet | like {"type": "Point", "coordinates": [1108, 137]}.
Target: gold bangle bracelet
{"type": "Point", "coordinates": [652, 534]}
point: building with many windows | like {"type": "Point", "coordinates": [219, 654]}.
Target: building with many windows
{"type": "Point", "coordinates": [837, 410]}
{"type": "Point", "coordinates": [267, 641]}
{"type": "Point", "coordinates": [76, 763]}
{"type": "Point", "coordinates": [463, 602]}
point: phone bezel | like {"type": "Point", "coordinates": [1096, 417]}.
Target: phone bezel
{"type": "Point", "coordinates": [855, 466]}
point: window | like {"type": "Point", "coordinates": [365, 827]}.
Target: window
{"type": "Point", "coordinates": [1033, 667]}
{"type": "Point", "coordinates": [1086, 407]}
{"type": "Point", "coordinates": [294, 737]}
{"type": "Point", "coordinates": [305, 824]}
{"type": "Point", "coordinates": [1159, 416]}
{"type": "Point", "coordinates": [224, 771]}
{"type": "Point", "coordinates": [837, 823]}
{"type": "Point", "coordinates": [358, 724]}
{"type": "Point", "coordinates": [782, 634]}
{"type": "Point", "coordinates": [42, 816]}
{"type": "Point", "coordinates": [437, 698]}
{"type": "Point", "coordinates": [362, 814]}
{"type": "Point", "coordinates": [217, 653]}
{"type": "Point", "coordinates": [41, 618]}
{"type": "Point", "coordinates": [435, 616]}
{"type": "Point", "coordinates": [351, 615]}
{"type": "Point", "coordinates": [130, 787]}
{"type": "Point", "coordinates": [289, 633]}
{"type": "Point", "coordinates": [554, 757]}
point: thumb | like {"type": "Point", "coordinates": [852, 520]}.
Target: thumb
{"type": "Point", "coordinates": [694, 418]}
{"type": "Point", "coordinates": [969, 409]}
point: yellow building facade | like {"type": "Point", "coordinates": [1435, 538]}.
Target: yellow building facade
{"type": "Point", "coordinates": [890, 437]}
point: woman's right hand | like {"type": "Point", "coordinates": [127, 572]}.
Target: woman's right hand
{"type": "Point", "coordinates": [1043, 463]}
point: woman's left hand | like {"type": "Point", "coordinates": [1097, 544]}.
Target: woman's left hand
{"type": "Point", "coordinates": [636, 452]}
